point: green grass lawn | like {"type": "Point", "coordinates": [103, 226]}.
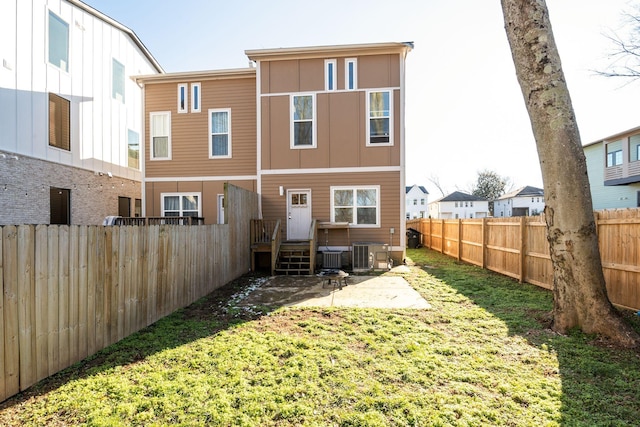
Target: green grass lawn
{"type": "Point", "coordinates": [481, 356]}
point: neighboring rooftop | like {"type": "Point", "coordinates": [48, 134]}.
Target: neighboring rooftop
{"type": "Point", "coordinates": [526, 191]}
{"type": "Point", "coordinates": [459, 196]}
{"type": "Point", "coordinates": [409, 187]}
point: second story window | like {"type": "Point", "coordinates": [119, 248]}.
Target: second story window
{"type": "Point", "coordinates": [350, 74]}
{"type": "Point", "coordinates": [634, 148]}
{"type": "Point", "coordinates": [58, 42]}
{"type": "Point", "coordinates": [303, 123]}
{"type": "Point", "coordinates": [59, 122]}
{"type": "Point", "coordinates": [117, 81]}
{"type": "Point", "coordinates": [133, 141]}
{"type": "Point", "coordinates": [330, 74]}
{"type": "Point", "coordinates": [220, 131]}
{"type": "Point", "coordinates": [182, 98]}
{"type": "Point", "coordinates": [195, 97]}
{"type": "Point", "coordinates": [379, 129]}
{"type": "Point", "coordinates": [614, 154]}
{"type": "Point", "coordinates": [160, 135]}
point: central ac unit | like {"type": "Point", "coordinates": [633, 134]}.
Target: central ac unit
{"type": "Point", "coordinates": [370, 256]}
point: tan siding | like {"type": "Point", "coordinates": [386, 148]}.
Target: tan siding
{"type": "Point", "coordinates": [274, 205]}
{"type": "Point", "coordinates": [346, 128]}
{"type": "Point", "coordinates": [279, 144]}
{"type": "Point", "coordinates": [379, 71]}
{"type": "Point", "coordinates": [190, 131]}
{"type": "Point", "coordinates": [311, 75]}
{"type": "Point", "coordinates": [208, 189]}
{"type": "Point", "coordinates": [283, 77]}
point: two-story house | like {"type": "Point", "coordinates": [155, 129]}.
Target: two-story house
{"type": "Point", "coordinates": [417, 202]}
{"type": "Point", "coordinates": [459, 205]}
{"type": "Point", "coordinates": [524, 201]}
{"type": "Point", "coordinates": [318, 132]}
{"type": "Point", "coordinates": [613, 165]}
{"type": "Point", "coordinates": [70, 116]}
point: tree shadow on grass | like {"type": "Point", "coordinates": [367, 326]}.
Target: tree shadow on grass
{"type": "Point", "coordinates": [206, 317]}
{"type": "Point", "coordinates": [600, 382]}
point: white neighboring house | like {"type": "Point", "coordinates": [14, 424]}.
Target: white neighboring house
{"type": "Point", "coordinates": [417, 201]}
{"type": "Point", "coordinates": [613, 166]}
{"type": "Point", "coordinates": [71, 117]}
{"type": "Point", "coordinates": [459, 205]}
{"type": "Point", "coordinates": [524, 201]}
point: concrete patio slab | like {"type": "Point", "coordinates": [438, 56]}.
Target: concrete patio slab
{"type": "Point", "coordinates": [361, 291]}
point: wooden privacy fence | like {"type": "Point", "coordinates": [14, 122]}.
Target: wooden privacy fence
{"type": "Point", "coordinates": [518, 247]}
{"type": "Point", "coordinates": [70, 291]}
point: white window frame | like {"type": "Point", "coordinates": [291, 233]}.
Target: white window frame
{"type": "Point", "coordinates": [183, 104]}
{"type": "Point", "coordinates": [228, 133]}
{"type": "Point", "coordinates": [330, 75]}
{"type": "Point", "coordinates": [353, 61]}
{"type": "Point", "coordinates": [196, 100]}
{"type": "Point", "coordinates": [368, 121]}
{"type": "Point", "coordinates": [151, 135]}
{"type": "Point", "coordinates": [66, 67]}
{"type": "Point", "coordinates": [354, 188]}
{"type": "Point", "coordinates": [181, 195]}
{"type": "Point", "coordinates": [114, 94]}
{"type": "Point", "coordinates": [314, 139]}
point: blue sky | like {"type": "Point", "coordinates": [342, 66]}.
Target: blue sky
{"type": "Point", "coordinates": [465, 112]}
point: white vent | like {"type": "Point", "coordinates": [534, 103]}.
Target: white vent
{"type": "Point", "coordinates": [331, 259]}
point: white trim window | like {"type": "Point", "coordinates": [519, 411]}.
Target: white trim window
{"type": "Point", "coordinates": [220, 133]}
{"type": "Point", "coordinates": [160, 135]}
{"type": "Point", "coordinates": [351, 74]}
{"type": "Point", "coordinates": [330, 73]}
{"type": "Point", "coordinates": [195, 97]}
{"type": "Point", "coordinates": [117, 80]}
{"type": "Point", "coordinates": [379, 118]}
{"type": "Point", "coordinates": [303, 121]}
{"type": "Point", "coordinates": [359, 206]}
{"type": "Point", "coordinates": [182, 98]}
{"type": "Point", "coordinates": [58, 42]}
{"type": "Point", "coordinates": [181, 204]}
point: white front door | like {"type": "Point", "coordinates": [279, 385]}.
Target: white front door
{"type": "Point", "coordinates": [298, 214]}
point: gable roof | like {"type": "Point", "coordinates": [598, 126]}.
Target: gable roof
{"type": "Point", "coordinates": [409, 187]}
{"type": "Point", "coordinates": [122, 28]}
{"type": "Point", "coordinates": [459, 196]}
{"type": "Point", "coordinates": [526, 191]}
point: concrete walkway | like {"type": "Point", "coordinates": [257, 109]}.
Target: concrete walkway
{"type": "Point", "coordinates": [362, 291]}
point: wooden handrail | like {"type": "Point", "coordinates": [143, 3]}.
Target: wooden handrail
{"type": "Point", "coordinates": [313, 237]}
{"type": "Point", "coordinates": [276, 240]}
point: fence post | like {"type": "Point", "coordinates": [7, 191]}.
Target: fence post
{"type": "Point", "coordinates": [430, 233]}
{"type": "Point", "coordinates": [484, 242]}
{"type": "Point", "coordinates": [459, 239]}
{"type": "Point", "coordinates": [442, 236]}
{"type": "Point", "coordinates": [523, 247]}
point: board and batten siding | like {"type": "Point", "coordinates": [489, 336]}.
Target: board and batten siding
{"type": "Point", "coordinates": [341, 134]}
{"type": "Point", "coordinates": [274, 206]}
{"type": "Point", "coordinates": [99, 123]}
{"type": "Point", "coordinates": [190, 137]}
{"type": "Point", "coordinates": [307, 75]}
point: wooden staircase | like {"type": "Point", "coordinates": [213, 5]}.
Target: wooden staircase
{"type": "Point", "coordinates": [294, 258]}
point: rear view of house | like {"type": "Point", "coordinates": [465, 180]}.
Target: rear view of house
{"type": "Point", "coordinates": [70, 121]}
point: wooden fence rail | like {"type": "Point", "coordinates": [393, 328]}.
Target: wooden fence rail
{"type": "Point", "coordinates": [67, 292]}
{"type": "Point", "coordinates": [518, 247]}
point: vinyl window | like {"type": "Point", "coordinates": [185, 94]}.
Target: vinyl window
{"type": "Point", "coordinates": [220, 133]}
{"type": "Point", "coordinates": [58, 42]}
{"type": "Point", "coordinates": [133, 142]}
{"type": "Point", "coordinates": [195, 97]}
{"type": "Point", "coordinates": [330, 74]}
{"type": "Point", "coordinates": [379, 114]}
{"type": "Point", "coordinates": [359, 206]}
{"type": "Point", "coordinates": [117, 81]}
{"type": "Point", "coordinates": [303, 123]}
{"type": "Point", "coordinates": [351, 74]}
{"type": "Point", "coordinates": [614, 153]}
{"type": "Point", "coordinates": [59, 122]}
{"type": "Point", "coordinates": [182, 98]}
{"type": "Point", "coordinates": [160, 135]}
{"type": "Point", "coordinates": [181, 204]}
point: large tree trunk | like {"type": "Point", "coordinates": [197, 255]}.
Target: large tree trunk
{"type": "Point", "coordinates": [580, 297]}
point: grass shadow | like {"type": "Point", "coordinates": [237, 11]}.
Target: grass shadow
{"type": "Point", "coordinates": [206, 317]}
{"type": "Point", "coordinates": [600, 382]}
